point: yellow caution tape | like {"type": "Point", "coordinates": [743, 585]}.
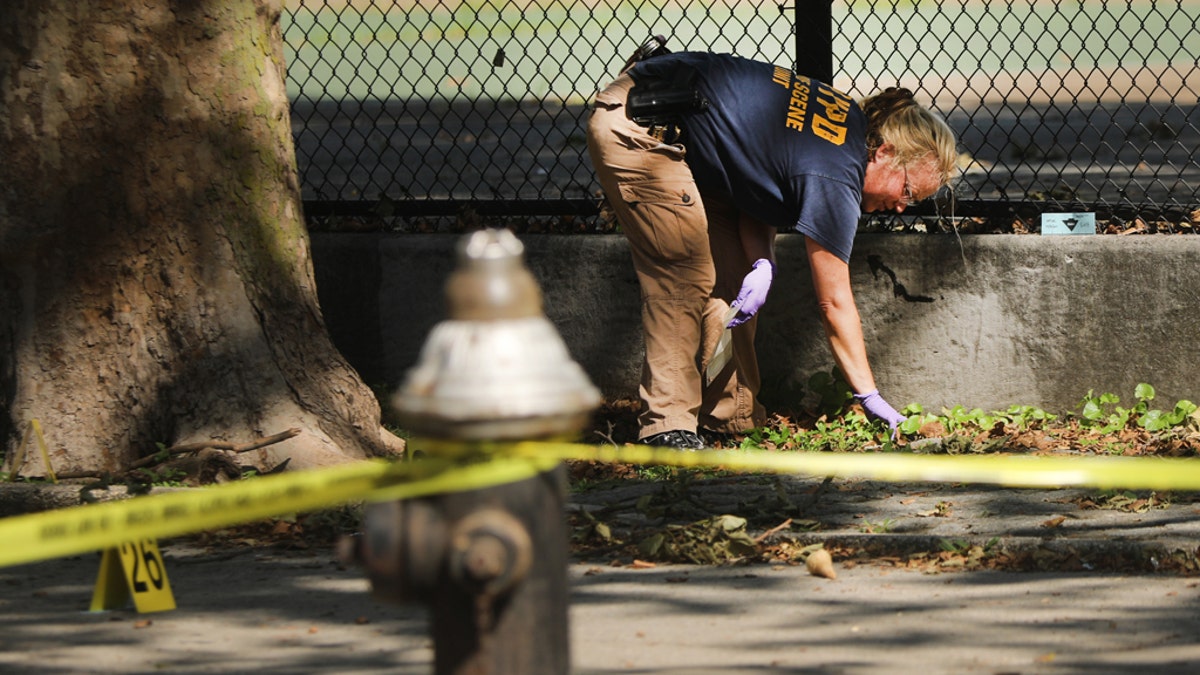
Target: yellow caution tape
{"type": "Point", "coordinates": [99, 526]}
{"type": "Point", "coordinates": [94, 527]}
{"type": "Point", "coordinates": [1147, 473]}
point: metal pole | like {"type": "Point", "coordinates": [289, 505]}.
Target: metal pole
{"type": "Point", "coordinates": [813, 27]}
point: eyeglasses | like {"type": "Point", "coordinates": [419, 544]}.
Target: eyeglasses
{"type": "Point", "coordinates": [907, 195]}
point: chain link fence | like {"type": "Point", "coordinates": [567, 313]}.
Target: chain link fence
{"type": "Point", "coordinates": [412, 114]}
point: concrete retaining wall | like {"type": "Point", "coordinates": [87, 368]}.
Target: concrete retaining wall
{"type": "Point", "coordinates": [989, 320]}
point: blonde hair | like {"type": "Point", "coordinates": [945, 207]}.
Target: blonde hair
{"type": "Point", "coordinates": [918, 134]}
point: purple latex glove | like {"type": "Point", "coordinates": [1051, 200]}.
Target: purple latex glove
{"type": "Point", "coordinates": [753, 294]}
{"type": "Point", "coordinates": [878, 409]}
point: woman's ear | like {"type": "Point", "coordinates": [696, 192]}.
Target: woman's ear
{"type": "Point", "coordinates": [884, 153]}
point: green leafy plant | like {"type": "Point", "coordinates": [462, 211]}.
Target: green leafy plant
{"type": "Point", "coordinates": [769, 435]}
{"type": "Point", "coordinates": [832, 390]}
{"type": "Point", "coordinates": [1102, 412]}
{"type": "Point", "coordinates": [960, 419]}
{"type": "Point", "coordinates": [882, 527]}
{"type": "Point", "coordinates": [852, 432]}
{"type": "Point", "coordinates": [167, 477]}
{"type": "Point", "coordinates": [915, 418]}
{"type": "Point", "coordinates": [162, 454]}
{"type": "Point", "coordinates": [960, 546]}
{"type": "Point", "coordinates": [656, 472]}
{"type": "Point", "coordinates": [848, 433]}
{"type": "Point", "coordinates": [963, 547]}
{"type": "Point", "coordinates": [1158, 420]}
{"type": "Point", "coordinates": [1028, 417]}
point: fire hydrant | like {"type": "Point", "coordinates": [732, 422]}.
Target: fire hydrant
{"type": "Point", "coordinates": [491, 564]}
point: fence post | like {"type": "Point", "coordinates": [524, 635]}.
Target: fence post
{"type": "Point", "coordinates": [490, 563]}
{"type": "Point", "coordinates": [813, 28]}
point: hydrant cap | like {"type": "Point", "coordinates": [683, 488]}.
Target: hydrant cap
{"type": "Point", "coordinates": [496, 369]}
{"type": "Point", "coordinates": [491, 281]}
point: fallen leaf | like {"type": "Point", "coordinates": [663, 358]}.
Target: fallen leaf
{"type": "Point", "coordinates": [1053, 522]}
{"type": "Point", "coordinates": [933, 429]}
{"type": "Point", "coordinates": [642, 565]}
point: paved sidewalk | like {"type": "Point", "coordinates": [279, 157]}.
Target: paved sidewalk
{"type": "Point", "coordinates": [261, 613]}
{"type": "Point", "coordinates": [872, 620]}
{"type": "Point", "coordinates": [301, 613]}
{"type": "Point", "coordinates": [272, 611]}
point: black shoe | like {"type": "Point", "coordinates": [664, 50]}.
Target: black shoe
{"type": "Point", "coordinates": [678, 439]}
{"type": "Point", "coordinates": [720, 439]}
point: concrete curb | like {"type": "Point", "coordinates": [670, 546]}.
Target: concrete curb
{"type": "Point", "coordinates": [22, 498]}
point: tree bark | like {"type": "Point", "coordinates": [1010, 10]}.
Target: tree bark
{"type": "Point", "coordinates": [156, 285]}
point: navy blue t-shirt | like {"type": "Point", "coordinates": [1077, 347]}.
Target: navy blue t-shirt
{"type": "Point", "coordinates": [791, 151]}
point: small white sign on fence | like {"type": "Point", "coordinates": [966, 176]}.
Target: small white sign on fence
{"type": "Point", "coordinates": [1068, 223]}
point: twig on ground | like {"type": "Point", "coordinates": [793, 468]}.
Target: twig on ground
{"type": "Point", "coordinates": [782, 526]}
{"type": "Point", "coordinates": [238, 448]}
{"type": "Point", "coordinates": [607, 436]}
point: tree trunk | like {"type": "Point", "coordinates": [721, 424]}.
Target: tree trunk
{"type": "Point", "coordinates": [156, 285]}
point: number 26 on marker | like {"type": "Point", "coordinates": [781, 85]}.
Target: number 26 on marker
{"type": "Point", "coordinates": [144, 564]}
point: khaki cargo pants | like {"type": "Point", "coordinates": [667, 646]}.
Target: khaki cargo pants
{"type": "Point", "coordinates": [690, 263]}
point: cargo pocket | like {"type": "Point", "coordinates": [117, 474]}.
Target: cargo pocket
{"type": "Point", "coordinates": [668, 218]}
{"type": "Point", "coordinates": [611, 98]}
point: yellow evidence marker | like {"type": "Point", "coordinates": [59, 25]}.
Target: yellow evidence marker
{"type": "Point", "coordinates": [135, 569]}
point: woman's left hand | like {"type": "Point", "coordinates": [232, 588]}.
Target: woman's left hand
{"type": "Point", "coordinates": [879, 409]}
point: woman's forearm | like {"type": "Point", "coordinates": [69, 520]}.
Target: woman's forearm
{"type": "Point", "coordinates": [839, 316]}
{"type": "Point", "coordinates": [843, 329]}
{"type": "Point", "coordinates": [758, 239]}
